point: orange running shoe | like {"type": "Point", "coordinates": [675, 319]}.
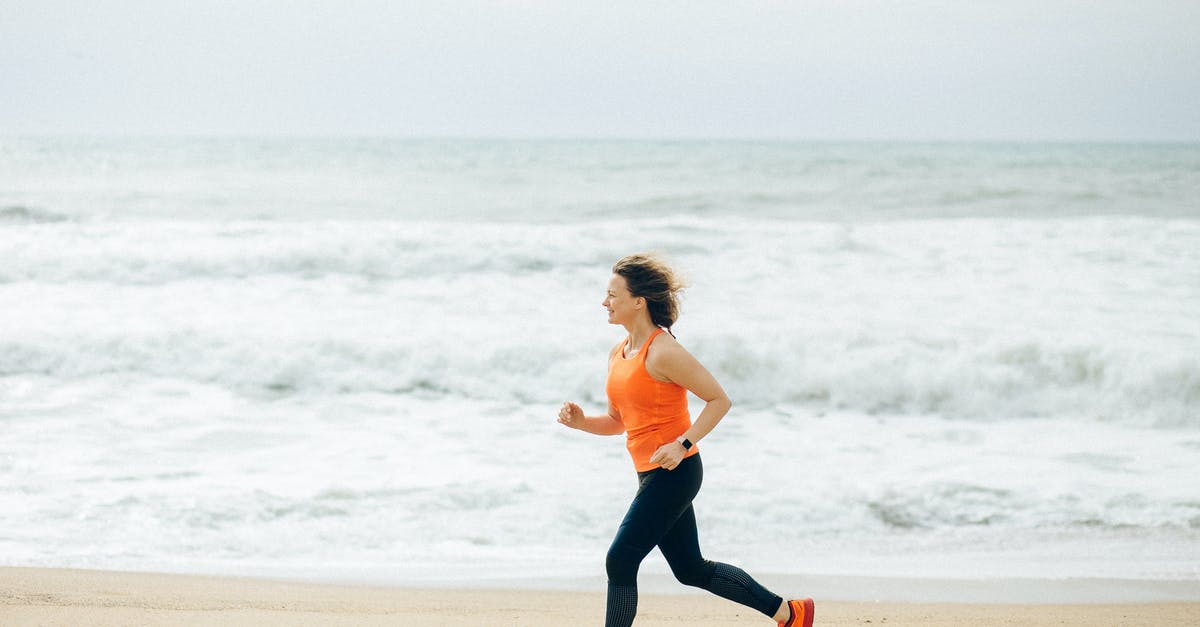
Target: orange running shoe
{"type": "Point", "coordinates": [802, 613]}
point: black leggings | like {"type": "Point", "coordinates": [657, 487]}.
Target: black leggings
{"type": "Point", "coordinates": [661, 515]}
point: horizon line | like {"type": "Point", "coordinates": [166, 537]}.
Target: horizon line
{"type": "Point", "coordinates": [178, 135]}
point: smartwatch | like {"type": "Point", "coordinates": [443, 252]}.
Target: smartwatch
{"type": "Point", "coordinates": [687, 444]}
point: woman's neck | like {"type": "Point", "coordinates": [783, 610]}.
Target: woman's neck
{"type": "Point", "coordinates": [639, 332]}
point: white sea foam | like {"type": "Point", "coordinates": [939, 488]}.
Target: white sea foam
{"type": "Point", "coordinates": [354, 394]}
{"type": "Point", "coordinates": [981, 319]}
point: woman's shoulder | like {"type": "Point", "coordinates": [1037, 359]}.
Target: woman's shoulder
{"type": "Point", "coordinates": [664, 345]}
{"type": "Point", "coordinates": [667, 358]}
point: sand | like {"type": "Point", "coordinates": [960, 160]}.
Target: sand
{"type": "Point", "coordinates": [35, 596]}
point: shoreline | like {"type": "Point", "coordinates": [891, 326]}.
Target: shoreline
{"type": "Point", "coordinates": [51, 596]}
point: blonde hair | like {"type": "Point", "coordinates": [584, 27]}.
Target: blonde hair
{"type": "Point", "coordinates": [649, 277]}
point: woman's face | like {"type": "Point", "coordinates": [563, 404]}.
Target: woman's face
{"type": "Point", "coordinates": [621, 305]}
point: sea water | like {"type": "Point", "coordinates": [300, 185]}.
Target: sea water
{"type": "Point", "coordinates": [343, 358]}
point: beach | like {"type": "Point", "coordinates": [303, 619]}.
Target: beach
{"type": "Point", "coordinates": [953, 367]}
{"type": "Point", "coordinates": [34, 596]}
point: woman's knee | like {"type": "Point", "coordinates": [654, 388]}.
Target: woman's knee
{"type": "Point", "coordinates": [622, 564]}
{"type": "Point", "coordinates": [696, 573]}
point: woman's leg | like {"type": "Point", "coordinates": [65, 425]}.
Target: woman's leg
{"type": "Point", "coordinates": [661, 498]}
{"type": "Point", "coordinates": [681, 547]}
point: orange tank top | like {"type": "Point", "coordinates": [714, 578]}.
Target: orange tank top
{"type": "Point", "coordinates": [654, 413]}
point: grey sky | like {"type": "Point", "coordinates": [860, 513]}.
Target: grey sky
{"type": "Point", "coordinates": [829, 69]}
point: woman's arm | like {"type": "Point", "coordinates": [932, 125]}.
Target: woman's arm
{"type": "Point", "coordinates": [572, 416]}
{"type": "Point", "coordinates": [672, 363]}
{"type": "Point", "coordinates": [605, 424]}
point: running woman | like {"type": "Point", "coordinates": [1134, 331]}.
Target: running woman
{"type": "Point", "coordinates": [649, 376]}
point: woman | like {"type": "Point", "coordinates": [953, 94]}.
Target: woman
{"type": "Point", "coordinates": [649, 376]}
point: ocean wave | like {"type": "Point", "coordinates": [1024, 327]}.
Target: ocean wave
{"type": "Point", "coordinates": [947, 505]}
{"type": "Point", "coordinates": [958, 505]}
{"type": "Point", "coordinates": [983, 383]}
{"type": "Point", "coordinates": [1002, 378]}
{"type": "Point", "coordinates": [18, 214]}
{"type": "Point", "coordinates": [972, 320]}
{"type": "Point", "coordinates": [158, 253]}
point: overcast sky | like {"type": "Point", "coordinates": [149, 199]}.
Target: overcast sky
{"type": "Point", "coordinates": [827, 69]}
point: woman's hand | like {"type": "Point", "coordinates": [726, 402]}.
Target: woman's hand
{"type": "Point", "coordinates": [668, 455]}
{"type": "Point", "coordinates": [571, 415]}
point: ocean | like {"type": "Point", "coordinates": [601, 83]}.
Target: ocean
{"type": "Point", "coordinates": [342, 358]}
